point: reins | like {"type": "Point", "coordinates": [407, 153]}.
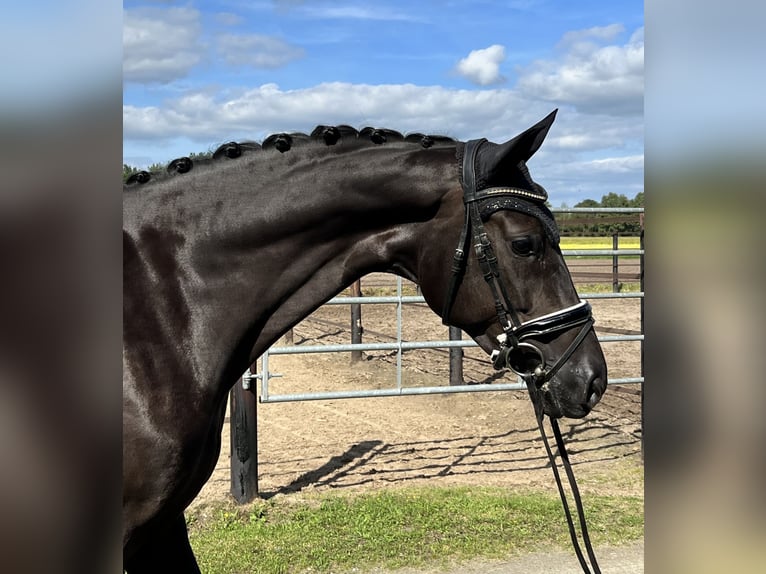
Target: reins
{"type": "Point", "coordinates": [539, 415]}
{"type": "Point", "coordinates": [516, 352]}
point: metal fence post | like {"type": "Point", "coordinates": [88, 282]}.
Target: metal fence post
{"type": "Point", "coordinates": [244, 443]}
{"type": "Point", "coordinates": [356, 320]}
{"type": "Point", "coordinates": [455, 358]}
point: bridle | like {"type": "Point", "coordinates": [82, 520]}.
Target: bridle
{"type": "Point", "coordinates": [517, 350]}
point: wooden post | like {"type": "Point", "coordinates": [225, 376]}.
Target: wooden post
{"type": "Point", "coordinates": [615, 265]}
{"type": "Point", "coordinates": [244, 443]}
{"type": "Point", "coordinates": [455, 358]}
{"type": "Point", "coordinates": [356, 320]}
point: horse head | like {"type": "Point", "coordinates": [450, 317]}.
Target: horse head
{"type": "Point", "coordinates": [508, 285]}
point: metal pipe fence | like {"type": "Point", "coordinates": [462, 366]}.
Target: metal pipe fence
{"type": "Point", "coordinates": [400, 346]}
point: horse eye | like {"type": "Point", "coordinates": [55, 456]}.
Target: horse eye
{"type": "Point", "coordinates": [523, 246]}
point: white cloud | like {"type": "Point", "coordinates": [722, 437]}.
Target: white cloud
{"type": "Point", "coordinates": [497, 114]}
{"type": "Point", "coordinates": [257, 50]}
{"type": "Point", "coordinates": [572, 180]}
{"type": "Point", "coordinates": [579, 133]}
{"type": "Point", "coordinates": [229, 19]}
{"type": "Point", "coordinates": [367, 12]}
{"type": "Point", "coordinates": [160, 45]}
{"type": "Point", "coordinates": [482, 67]}
{"type": "Point", "coordinates": [592, 77]}
{"type": "Point", "coordinates": [569, 165]}
{"type": "Point", "coordinates": [581, 39]}
{"type": "Point", "coordinates": [617, 164]}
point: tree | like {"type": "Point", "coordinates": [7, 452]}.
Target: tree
{"type": "Point", "coordinates": [607, 223]}
{"type": "Point", "coordinates": [588, 203]}
{"type": "Point", "coordinates": [614, 200]}
{"type": "Point", "coordinates": [128, 170]}
{"type": "Point", "coordinates": [195, 157]}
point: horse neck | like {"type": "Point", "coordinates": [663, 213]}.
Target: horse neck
{"type": "Point", "coordinates": [256, 254]}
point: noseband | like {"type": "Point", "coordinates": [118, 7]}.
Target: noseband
{"type": "Point", "coordinates": [516, 351]}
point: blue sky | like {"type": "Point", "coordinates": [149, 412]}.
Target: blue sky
{"type": "Point", "coordinates": [197, 74]}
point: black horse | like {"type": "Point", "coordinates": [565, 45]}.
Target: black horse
{"type": "Point", "coordinates": [221, 258]}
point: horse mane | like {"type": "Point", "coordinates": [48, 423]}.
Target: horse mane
{"type": "Point", "coordinates": [322, 135]}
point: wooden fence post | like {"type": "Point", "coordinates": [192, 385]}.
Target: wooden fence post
{"type": "Point", "coordinates": [356, 320]}
{"type": "Point", "coordinates": [244, 443]}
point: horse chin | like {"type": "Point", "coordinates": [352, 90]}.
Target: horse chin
{"type": "Point", "coordinates": [571, 412]}
{"type": "Point", "coordinates": [487, 343]}
{"type": "Point", "coordinates": [558, 402]}
{"type": "Point", "coordinates": [544, 399]}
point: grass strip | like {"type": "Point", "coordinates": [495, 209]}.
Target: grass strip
{"type": "Point", "coordinates": [431, 527]}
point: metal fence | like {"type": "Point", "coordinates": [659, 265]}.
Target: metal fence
{"type": "Point", "coordinates": [243, 421]}
{"type": "Point", "coordinates": [400, 346]}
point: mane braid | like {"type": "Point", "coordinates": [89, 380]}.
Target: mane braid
{"type": "Point", "coordinates": [283, 142]}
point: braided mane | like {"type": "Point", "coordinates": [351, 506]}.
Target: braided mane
{"type": "Point", "coordinates": [347, 136]}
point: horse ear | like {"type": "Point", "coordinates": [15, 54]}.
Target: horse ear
{"type": "Point", "coordinates": [499, 163]}
{"type": "Point", "coordinates": [524, 145]}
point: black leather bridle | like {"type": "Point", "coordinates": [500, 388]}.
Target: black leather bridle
{"type": "Point", "coordinates": [517, 350]}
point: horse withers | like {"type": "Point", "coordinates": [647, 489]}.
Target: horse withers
{"type": "Point", "coordinates": [222, 257]}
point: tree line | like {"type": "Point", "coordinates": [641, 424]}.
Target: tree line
{"type": "Point", "coordinates": [578, 224]}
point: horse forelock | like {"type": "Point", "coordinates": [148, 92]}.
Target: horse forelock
{"type": "Point", "coordinates": [339, 139]}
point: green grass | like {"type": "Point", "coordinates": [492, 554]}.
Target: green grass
{"type": "Point", "coordinates": [631, 286]}
{"type": "Point", "coordinates": [415, 527]}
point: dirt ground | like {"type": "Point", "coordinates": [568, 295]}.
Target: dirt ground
{"type": "Point", "coordinates": [482, 439]}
